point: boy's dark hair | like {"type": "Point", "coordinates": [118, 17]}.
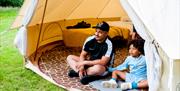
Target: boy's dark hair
{"type": "Point", "coordinates": [139, 44]}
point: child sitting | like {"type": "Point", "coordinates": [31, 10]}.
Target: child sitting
{"type": "Point", "coordinates": [137, 76]}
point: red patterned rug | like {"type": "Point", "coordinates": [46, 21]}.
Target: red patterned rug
{"type": "Point", "coordinates": [53, 64]}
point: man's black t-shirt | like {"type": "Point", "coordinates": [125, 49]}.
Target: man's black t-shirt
{"type": "Point", "coordinates": [97, 50]}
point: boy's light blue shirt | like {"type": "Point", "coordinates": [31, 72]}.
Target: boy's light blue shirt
{"type": "Point", "coordinates": [137, 68]}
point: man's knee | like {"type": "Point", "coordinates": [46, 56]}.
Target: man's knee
{"type": "Point", "coordinates": [69, 57]}
{"type": "Point", "coordinates": [97, 69]}
{"type": "Point", "coordinates": [72, 58]}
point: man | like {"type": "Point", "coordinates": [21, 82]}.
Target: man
{"type": "Point", "coordinates": [97, 54]}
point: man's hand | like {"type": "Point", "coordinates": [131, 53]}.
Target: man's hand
{"type": "Point", "coordinates": [82, 72]}
{"type": "Point", "coordinates": [80, 67]}
{"type": "Point", "coordinates": [80, 64]}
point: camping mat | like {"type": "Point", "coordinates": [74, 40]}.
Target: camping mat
{"type": "Point", "coordinates": [53, 64]}
{"type": "Point", "coordinates": [97, 84]}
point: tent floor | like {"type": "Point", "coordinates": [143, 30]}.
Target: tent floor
{"type": "Point", "coordinates": [53, 64]}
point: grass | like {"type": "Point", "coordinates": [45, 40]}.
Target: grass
{"type": "Point", "coordinates": [13, 75]}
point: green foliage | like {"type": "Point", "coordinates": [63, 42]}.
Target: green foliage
{"type": "Point", "coordinates": [13, 75]}
{"type": "Point", "coordinates": [12, 3]}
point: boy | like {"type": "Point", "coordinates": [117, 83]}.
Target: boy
{"type": "Point", "coordinates": [137, 76]}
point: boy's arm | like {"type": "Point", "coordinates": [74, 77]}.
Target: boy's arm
{"type": "Point", "coordinates": [122, 66]}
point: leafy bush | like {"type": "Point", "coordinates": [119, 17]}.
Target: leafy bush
{"type": "Point", "coordinates": [11, 3]}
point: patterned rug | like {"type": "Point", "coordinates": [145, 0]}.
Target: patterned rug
{"type": "Point", "coordinates": [53, 64]}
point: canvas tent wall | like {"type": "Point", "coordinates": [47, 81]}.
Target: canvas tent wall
{"type": "Point", "coordinates": [157, 21]}
{"type": "Point", "coordinates": [43, 21]}
{"type": "Point", "coordinates": [57, 15]}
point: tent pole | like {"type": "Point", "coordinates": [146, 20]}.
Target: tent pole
{"type": "Point", "coordinates": [40, 29]}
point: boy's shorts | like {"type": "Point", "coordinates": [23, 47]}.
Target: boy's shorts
{"type": "Point", "coordinates": [133, 78]}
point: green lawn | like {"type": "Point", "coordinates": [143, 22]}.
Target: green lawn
{"type": "Point", "coordinates": [13, 75]}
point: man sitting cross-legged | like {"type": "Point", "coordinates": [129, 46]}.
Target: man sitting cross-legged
{"type": "Point", "coordinates": [97, 54]}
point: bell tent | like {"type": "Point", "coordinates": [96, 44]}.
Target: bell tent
{"type": "Point", "coordinates": [43, 24]}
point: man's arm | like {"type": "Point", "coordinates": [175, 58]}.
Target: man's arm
{"type": "Point", "coordinates": [80, 66]}
{"type": "Point", "coordinates": [103, 61]}
{"type": "Point", "coordinates": [83, 55]}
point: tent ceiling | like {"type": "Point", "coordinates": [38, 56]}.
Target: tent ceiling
{"type": "Point", "coordinates": [77, 9]}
